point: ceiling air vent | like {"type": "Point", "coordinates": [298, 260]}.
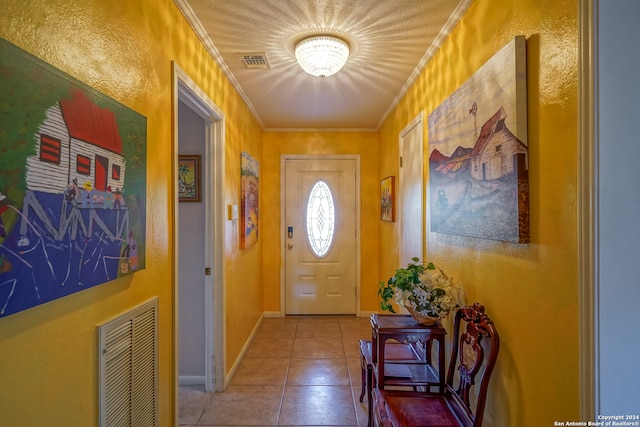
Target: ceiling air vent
{"type": "Point", "coordinates": [255, 60]}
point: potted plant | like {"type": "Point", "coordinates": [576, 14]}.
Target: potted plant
{"type": "Point", "coordinates": [423, 289]}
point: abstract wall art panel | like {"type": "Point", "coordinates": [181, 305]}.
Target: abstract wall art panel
{"type": "Point", "coordinates": [249, 177]}
{"type": "Point", "coordinates": [478, 153]}
{"type": "Point", "coordinates": [72, 184]}
{"type": "Point", "coordinates": [388, 199]}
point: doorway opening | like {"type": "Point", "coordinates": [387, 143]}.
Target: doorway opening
{"type": "Point", "coordinates": [194, 110]}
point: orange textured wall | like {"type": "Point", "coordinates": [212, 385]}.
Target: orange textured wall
{"type": "Point", "coordinates": [277, 143]}
{"type": "Point", "coordinates": [243, 267]}
{"type": "Point", "coordinates": [530, 290]}
{"type": "Point", "coordinates": [48, 357]}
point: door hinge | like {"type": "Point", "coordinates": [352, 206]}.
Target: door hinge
{"type": "Point", "coordinates": [400, 161]}
{"type": "Point", "coordinates": [207, 271]}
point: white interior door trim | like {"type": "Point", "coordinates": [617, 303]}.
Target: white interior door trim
{"type": "Point", "coordinates": [588, 212]}
{"type": "Point", "coordinates": [283, 159]}
{"type": "Point", "coordinates": [186, 90]}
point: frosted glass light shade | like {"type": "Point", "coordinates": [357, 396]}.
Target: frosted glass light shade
{"type": "Point", "coordinates": [322, 56]}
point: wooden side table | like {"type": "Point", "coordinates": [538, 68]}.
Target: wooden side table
{"type": "Point", "coordinates": [412, 373]}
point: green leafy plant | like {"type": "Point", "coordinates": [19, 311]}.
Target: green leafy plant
{"type": "Point", "coordinates": [421, 286]}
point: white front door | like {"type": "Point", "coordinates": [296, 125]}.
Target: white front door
{"type": "Point", "coordinates": [320, 236]}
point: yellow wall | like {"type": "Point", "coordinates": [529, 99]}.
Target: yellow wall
{"type": "Point", "coordinates": [48, 354]}
{"type": "Point", "coordinates": [277, 143]}
{"type": "Point", "coordinates": [530, 290]}
{"type": "Point", "coordinates": [48, 358]}
{"type": "Point", "coordinates": [243, 285]}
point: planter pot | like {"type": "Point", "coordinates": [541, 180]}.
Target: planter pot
{"type": "Point", "coordinates": [422, 319]}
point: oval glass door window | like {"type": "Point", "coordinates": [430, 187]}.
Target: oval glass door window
{"type": "Point", "coordinates": [321, 218]}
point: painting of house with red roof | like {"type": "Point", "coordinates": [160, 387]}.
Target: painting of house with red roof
{"type": "Point", "coordinates": [478, 159]}
{"type": "Point", "coordinates": [73, 185]}
{"type": "Point", "coordinates": [78, 143]}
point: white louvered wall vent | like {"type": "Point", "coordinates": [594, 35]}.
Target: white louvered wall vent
{"type": "Point", "coordinates": [257, 60]}
{"type": "Point", "coordinates": [128, 352]}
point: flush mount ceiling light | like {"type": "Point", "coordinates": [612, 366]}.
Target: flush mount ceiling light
{"type": "Point", "coordinates": [322, 56]}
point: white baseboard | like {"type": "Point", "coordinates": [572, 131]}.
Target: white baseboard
{"type": "Point", "coordinates": [235, 366]}
{"type": "Point", "coordinates": [366, 313]}
{"type": "Point", "coordinates": [273, 314]}
{"type": "Point", "coordinates": [191, 380]}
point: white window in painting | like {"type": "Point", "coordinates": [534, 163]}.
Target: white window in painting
{"type": "Point", "coordinates": [321, 217]}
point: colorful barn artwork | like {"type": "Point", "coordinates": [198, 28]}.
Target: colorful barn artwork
{"type": "Point", "coordinates": [72, 185]}
{"type": "Point", "coordinates": [478, 178]}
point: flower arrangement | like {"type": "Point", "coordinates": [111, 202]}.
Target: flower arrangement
{"type": "Point", "coordinates": [423, 289]}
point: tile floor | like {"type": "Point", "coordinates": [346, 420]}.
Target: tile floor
{"type": "Point", "coordinates": [298, 371]}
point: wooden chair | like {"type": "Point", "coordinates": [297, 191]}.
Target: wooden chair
{"type": "Point", "coordinates": [395, 351]}
{"type": "Point", "coordinates": [453, 408]}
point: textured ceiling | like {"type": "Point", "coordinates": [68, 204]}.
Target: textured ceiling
{"type": "Point", "coordinates": [390, 42]}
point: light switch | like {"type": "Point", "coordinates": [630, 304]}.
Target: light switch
{"type": "Point", "coordinates": [232, 212]}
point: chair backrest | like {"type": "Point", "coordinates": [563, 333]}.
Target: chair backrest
{"type": "Point", "coordinates": [468, 358]}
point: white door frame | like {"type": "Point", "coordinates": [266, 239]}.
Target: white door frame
{"type": "Point", "coordinates": [283, 159]}
{"type": "Point", "coordinates": [186, 90]}
{"type": "Point", "coordinates": [588, 212]}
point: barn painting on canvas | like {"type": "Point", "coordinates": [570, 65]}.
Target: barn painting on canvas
{"type": "Point", "coordinates": [478, 153]}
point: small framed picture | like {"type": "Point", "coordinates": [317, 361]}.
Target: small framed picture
{"type": "Point", "coordinates": [189, 178]}
{"type": "Point", "coordinates": [388, 199]}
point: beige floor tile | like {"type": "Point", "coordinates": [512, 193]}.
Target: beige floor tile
{"type": "Point", "coordinates": [318, 319]}
{"type": "Point", "coordinates": [270, 347]}
{"type": "Point", "coordinates": [261, 371]}
{"type": "Point", "coordinates": [356, 327]}
{"type": "Point", "coordinates": [355, 372]}
{"type": "Point", "coordinates": [320, 348]}
{"type": "Point", "coordinates": [192, 404]}
{"type": "Point", "coordinates": [351, 347]}
{"type": "Point", "coordinates": [280, 327]}
{"type": "Point", "coordinates": [317, 405]}
{"type": "Point", "coordinates": [315, 329]}
{"type": "Point", "coordinates": [318, 372]}
{"type": "Point", "coordinates": [244, 405]}
{"type": "Point", "coordinates": [361, 407]}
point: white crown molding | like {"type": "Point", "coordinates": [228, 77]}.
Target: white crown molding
{"type": "Point", "coordinates": [444, 33]}
{"type": "Point", "coordinates": [197, 27]}
{"type": "Point", "coordinates": [320, 130]}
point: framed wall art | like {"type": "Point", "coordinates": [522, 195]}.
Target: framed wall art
{"type": "Point", "coordinates": [478, 153]}
{"type": "Point", "coordinates": [249, 177]}
{"type": "Point", "coordinates": [189, 178]}
{"type": "Point", "coordinates": [388, 199]}
{"type": "Point", "coordinates": [72, 184]}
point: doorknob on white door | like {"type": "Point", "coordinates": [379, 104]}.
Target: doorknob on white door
{"type": "Point", "coordinates": [289, 246]}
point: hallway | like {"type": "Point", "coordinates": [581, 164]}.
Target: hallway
{"type": "Point", "coordinates": [298, 371]}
